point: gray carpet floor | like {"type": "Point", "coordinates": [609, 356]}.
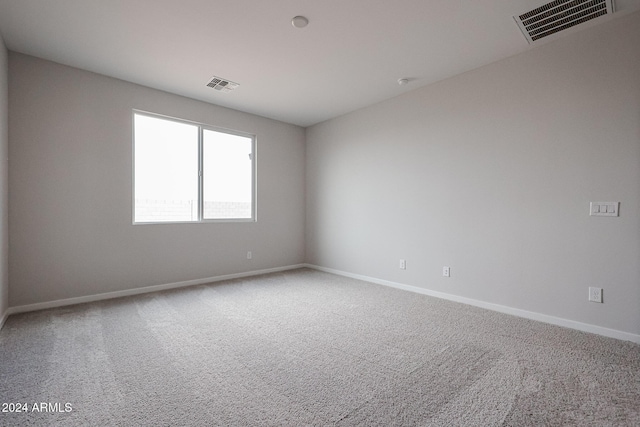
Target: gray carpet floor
{"type": "Point", "coordinates": [306, 348]}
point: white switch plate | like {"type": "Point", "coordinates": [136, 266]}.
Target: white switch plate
{"type": "Point", "coordinates": [604, 208]}
{"type": "Point", "coordinates": [249, 255]}
{"type": "Point", "coordinates": [595, 294]}
{"type": "Point", "coordinates": [403, 264]}
{"type": "Point", "coordinates": [446, 272]}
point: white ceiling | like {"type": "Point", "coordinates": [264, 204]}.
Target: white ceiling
{"type": "Point", "coordinates": [349, 56]}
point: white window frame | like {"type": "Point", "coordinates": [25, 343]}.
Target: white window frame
{"type": "Point", "coordinates": [201, 128]}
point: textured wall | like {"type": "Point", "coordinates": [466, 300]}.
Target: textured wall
{"type": "Point", "coordinates": [71, 190]}
{"type": "Point", "coordinates": [491, 173]}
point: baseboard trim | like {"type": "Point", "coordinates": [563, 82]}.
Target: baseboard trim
{"type": "Point", "coordinates": [3, 318]}
{"type": "Point", "coordinates": [143, 290]}
{"type": "Point", "coordinates": [558, 321]}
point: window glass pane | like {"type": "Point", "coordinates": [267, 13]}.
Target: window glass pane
{"type": "Point", "coordinates": [227, 175]}
{"type": "Point", "coordinates": [166, 170]}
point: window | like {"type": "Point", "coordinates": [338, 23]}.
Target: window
{"type": "Point", "coordinates": [188, 172]}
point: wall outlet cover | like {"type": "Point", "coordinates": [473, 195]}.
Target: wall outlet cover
{"type": "Point", "coordinates": [446, 271]}
{"type": "Point", "coordinates": [595, 294]}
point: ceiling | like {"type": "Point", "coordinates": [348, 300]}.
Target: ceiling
{"type": "Point", "coordinates": [349, 56]}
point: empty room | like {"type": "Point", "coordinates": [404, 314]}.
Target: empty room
{"type": "Point", "coordinates": [320, 213]}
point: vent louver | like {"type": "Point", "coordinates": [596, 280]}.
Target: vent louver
{"type": "Point", "coordinates": [223, 85]}
{"type": "Point", "coordinates": [559, 15]}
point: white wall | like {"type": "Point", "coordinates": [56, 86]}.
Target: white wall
{"type": "Point", "coordinates": [70, 192]}
{"type": "Point", "coordinates": [4, 180]}
{"type": "Point", "coordinates": [491, 173]}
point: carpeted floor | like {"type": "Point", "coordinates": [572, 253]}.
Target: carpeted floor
{"type": "Point", "coordinates": [305, 348]}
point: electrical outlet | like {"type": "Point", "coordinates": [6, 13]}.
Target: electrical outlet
{"type": "Point", "coordinates": [403, 264]}
{"type": "Point", "coordinates": [249, 255]}
{"type": "Point", "coordinates": [595, 294]}
{"type": "Point", "coordinates": [446, 271]}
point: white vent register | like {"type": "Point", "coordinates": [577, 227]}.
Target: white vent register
{"type": "Point", "coordinates": [559, 15]}
{"type": "Point", "coordinates": [223, 85]}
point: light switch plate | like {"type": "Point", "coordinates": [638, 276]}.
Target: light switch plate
{"type": "Point", "coordinates": [604, 208]}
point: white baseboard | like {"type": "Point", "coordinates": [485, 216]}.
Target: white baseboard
{"type": "Point", "coordinates": [3, 318]}
{"type": "Point", "coordinates": [144, 290]}
{"type": "Point", "coordinates": [585, 327]}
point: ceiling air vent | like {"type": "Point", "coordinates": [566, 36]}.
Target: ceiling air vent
{"type": "Point", "coordinates": [559, 15]}
{"type": "Point", "coordinates": [223, 85]}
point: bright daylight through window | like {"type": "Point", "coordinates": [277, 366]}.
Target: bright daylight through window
{"type": "Point", "coordinates": [186, 172]}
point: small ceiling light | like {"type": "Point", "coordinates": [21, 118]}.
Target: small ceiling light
{"type": "Point", "coordinates": [299, 22]}
{"type": "Point", "coordinates": [403, 82]}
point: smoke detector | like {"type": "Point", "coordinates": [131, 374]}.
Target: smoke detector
{"type": "Point", "coordinates": [559, 15]}
{"type": "Point", "coordinates": [223, 85]}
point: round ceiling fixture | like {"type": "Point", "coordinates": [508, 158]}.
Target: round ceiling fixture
{"type": "Point", "coordinates": [299, 22]}
{"type": "Point", "coordinates": [403, 82]}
